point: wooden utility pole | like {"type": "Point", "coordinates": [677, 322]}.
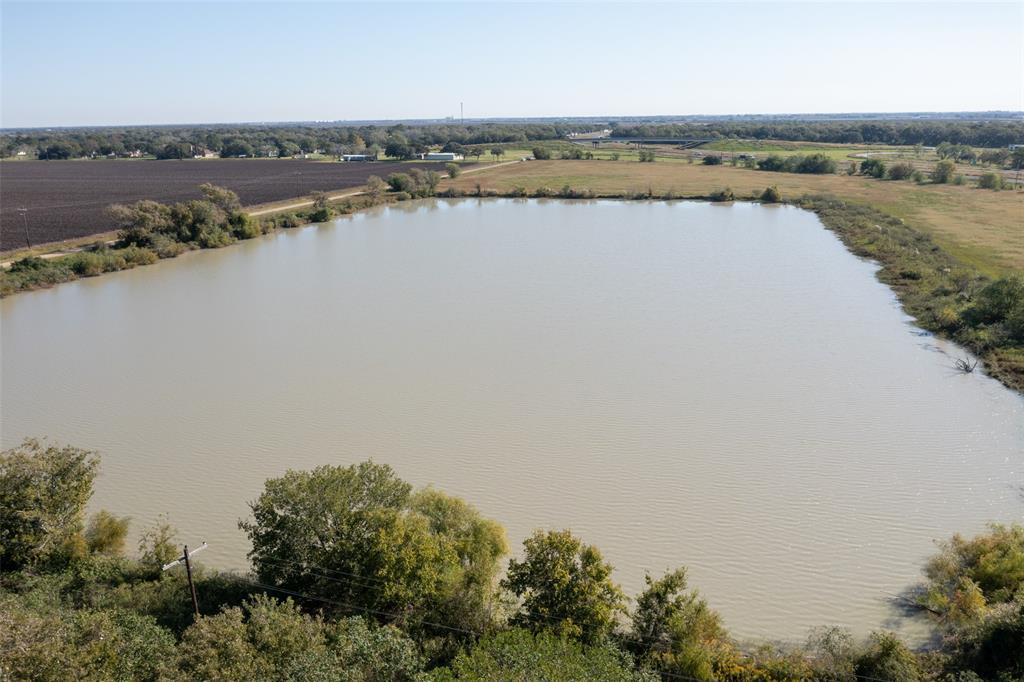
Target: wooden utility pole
{"type": "Point", "coordinates": [24, 219]}
{"type": "Point", "coordinates": [184, 558]}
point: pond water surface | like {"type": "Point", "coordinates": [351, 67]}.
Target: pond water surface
{"type": "Point", "coordinates": [724, 387]}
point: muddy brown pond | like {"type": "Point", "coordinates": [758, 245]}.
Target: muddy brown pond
{"type": "Point", "coordinates": [724, 387]}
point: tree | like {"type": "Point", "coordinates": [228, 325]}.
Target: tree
{"type": "Point", "coordinates": [887, 658]}
{"type": "Point", "coordinates": [497, 152]}
{"type": "Point", "coordinates": [453, 170]}
{"type": "Point", "coordinates": [520, 656]}
{"type": "Point", "coordinates": [990, 181]}
{"type": "Point", "coordinates": [565, 586]}
{"type": "Point", "coordinates": [139, 223]}
{"type": "Point", "coordinates": [375, 187]}
{"type": "Point", "coordinates": [541, 153]}
{"type": "Point", "coordinates": [872, 167]}
{"type": "Point", "coordinates": [106, 533]}
{"type": "Point", "coordinates": [771, 195]}
{"type": "Point", "coordinates": [43, 491]}
{"type": "Point", "coordinates": [222, 198]}
{"type": "Point", "coordinates": [398, 149]}
{"type": "Point", "coordinates": [900, 171]}
{"type": "Point", "coordinates": [471, 598]}
{"type": "Point", "coordinates": [677, 631]}
{"type": "Point", "coordinates": [321, 208]}
{"type": "Point", "coordinates": [157, 546]}
{"type": "Point", "coordinates": [712, 160]}
{"type": "Point", "coordinates": [1017, 158]}
{"type": "Point", "coordinates": [943, 171]}
{"type": "Point", "coordinates": [356, 535]}
{"type": "Point", "coordinates": [401, 182]}
{"type": "Point", "coordinates": [773, 162]}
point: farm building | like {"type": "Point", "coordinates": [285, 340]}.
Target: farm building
{"type": "Point", "coordinates": [355, 157]}
{"type": "Point", "coordinates": [442, 156]}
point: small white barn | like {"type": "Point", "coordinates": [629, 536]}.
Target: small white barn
{"type": "Point", "coordinates": [355, 157]}
{"type": "Point", "coordinates": [442, 156]}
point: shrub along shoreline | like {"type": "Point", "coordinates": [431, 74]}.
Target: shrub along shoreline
{"type": "Point", "coordinates": [944, 296]}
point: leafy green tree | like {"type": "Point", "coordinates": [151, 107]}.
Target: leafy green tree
{"type": "Point", "coordinates": [401, 182]}
{"type": "Point", "coordinates": [944, 171]}
{"type": "Point", "coordinates": [139, 223]}
{"type": "Point", "coordinates": [470, 597]}
{"type": "Point", "coordinates": [453, 170]}
{"type": "Point", "coordinates": [677, 632]}
{"type": "Point", "coordinates": [398, 149]}
{"type": "Point", "coordinates": [106, 533]}
{"type": "Point", "coordinates": [43, 492]}
{"type": "Point", "coordinates": [887, 658]}
{"type": "Point", "coordinates": [874, 168]}
{"type": "Point", "coordinates": [900, 171]}
{"type": "Point", "coordinates": [354, 535]}
{"type": "Point", "coordinates": [818, 164]}
{"type": "Point", "coordinates": [712, 160]}
{"type": "Point", "coordinates": [565, 586]}
{"type": "Point", "coordinates": [541, 153]}
{"type": "Point", "coordinates": [520, 656]}
{"type": "Point", "coordinates": [497, 152]}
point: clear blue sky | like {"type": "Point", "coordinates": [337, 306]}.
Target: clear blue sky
{"type": "Point", "coordinates": [87, 63]}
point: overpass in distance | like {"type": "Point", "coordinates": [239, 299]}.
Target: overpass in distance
{"type": "Point", "coordinates": [682, 142]}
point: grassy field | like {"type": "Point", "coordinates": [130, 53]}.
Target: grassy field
{"type": "Point", "coordinates": [981, 228]}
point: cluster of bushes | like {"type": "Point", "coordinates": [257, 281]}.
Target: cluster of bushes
{"type": "Point", "coordinates": [943, 172]}
{"type": "Point", "coordinates": [357, 576]}
{"type": "Point", "coordinates": [646, 155]}
{"type": "Point", "coordinates": [415, 183]}
{"type": "Point", "coordinates": [813, 163]}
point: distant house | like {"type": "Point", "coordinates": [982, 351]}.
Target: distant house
{"type": "Point", "coordinates": [204, 154]}
{"type": "Point", "coordinates": [442, 156]}
{"type": "Point", "coordinates": [355, 157]}
{"type": "Point", "coordinates": [135, 154]}
{"type": "Point", "coordinates": [1016, 146]}
{"type": "Point", "coordinates": [21, 152]}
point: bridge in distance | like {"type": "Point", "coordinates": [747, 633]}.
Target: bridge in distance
{"type": "Point", "coordinates": [682, 142]}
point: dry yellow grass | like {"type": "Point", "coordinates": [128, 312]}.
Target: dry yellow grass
{"type": "Point", "coordinates": [980, 227]}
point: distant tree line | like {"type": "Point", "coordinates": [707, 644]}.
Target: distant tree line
{"type": "Point", "coordinates": [400, 141]}
{"type": "Point", "coordinates": [931, 133]}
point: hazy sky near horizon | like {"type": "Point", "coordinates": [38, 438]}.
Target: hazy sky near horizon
{"type": "Point", "coordinates": [89, 63]}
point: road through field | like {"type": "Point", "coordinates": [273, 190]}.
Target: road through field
{"type": "Point", "coordinates": [259, 210]}
{"type": "Point", "coordinates": [344, 195]}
